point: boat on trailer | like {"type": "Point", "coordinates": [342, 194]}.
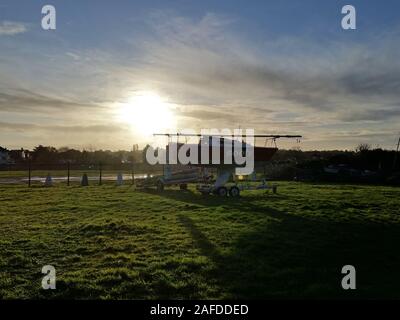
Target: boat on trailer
{"type": "Point", "coordinates": [220, 156]}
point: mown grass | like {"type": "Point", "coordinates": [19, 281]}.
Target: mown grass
{"type": "Point", "coordinates": [114, 242]}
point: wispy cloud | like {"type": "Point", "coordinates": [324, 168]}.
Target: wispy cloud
{"type": "Point", "coordinates": [211, 65]}
{"type": "Point", "coordinates": [74, 56]}
{"type": "Point", "coordinates": [23, 100]}
{"type": "Point", "coordinates": [218, 77]}
{"type": "Point", "coordinates": [26, 135]}
{"type": "Point", "coordinates": [9, 28]}
{"type": "Point", "coordinates": [269, 85]}
{"type": "Point", "coordinates": [63, 129]}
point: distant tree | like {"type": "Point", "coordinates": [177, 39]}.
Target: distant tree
{"type": "Point", "coordinates": [71, 155]}
{"type": "Point", "coordinates": [362, 147]}
{"type": "Point", "coordinates": [44, 154]}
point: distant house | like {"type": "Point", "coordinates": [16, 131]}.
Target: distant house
{"type": "Point", "coordinates": [4, 156]}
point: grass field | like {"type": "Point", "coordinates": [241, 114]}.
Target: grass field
{"type": "Point", "coordinates": [114, 242]}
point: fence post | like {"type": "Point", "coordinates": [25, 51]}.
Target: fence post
{"type": "Point", "coordinates": [101, 169]}
{"type": "Point", "coordinates": [29, 172]}
{"type": "Point", "coordinates": [68, 175]}
{"type": "Point", "coordinates": [133, 173]}
{"type": "Point", "coordinates": [395, 155]}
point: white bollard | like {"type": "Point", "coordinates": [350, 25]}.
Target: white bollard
{"type": "Point", "coordinates": [120, 179]}
{"type": "Point", "coordinates": [49, 181]}
{"type": "Point", "coordinates": [85, 180]}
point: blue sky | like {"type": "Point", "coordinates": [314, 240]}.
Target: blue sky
{"type": "Point", "coordinates": [275, 66]}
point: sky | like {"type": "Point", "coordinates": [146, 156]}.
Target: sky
{"type": "Point", "coordinates": [113, 72]}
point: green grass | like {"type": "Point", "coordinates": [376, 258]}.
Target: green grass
{"type": "Point", "coordinates": [114, 242]}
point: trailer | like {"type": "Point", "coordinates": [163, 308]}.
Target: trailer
{"type": "Point", "coordinates": [222, 187]}
{"type": "Point", "coordinates": [215, 152]}
{"type": "Point", "coordinates": [233, 190]}
{"type": "Point", "coordinates": [172, 176]}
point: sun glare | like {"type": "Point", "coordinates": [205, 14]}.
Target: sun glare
{"type": "Point", "coordinates": [147, 113]}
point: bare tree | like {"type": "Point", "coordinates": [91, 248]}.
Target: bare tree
{"type": "Point", "coordinates": [363, 147]}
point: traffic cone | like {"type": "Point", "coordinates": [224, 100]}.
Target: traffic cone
{"type": "Point", "coordinates": [49, 181]}
{"type": "Point", "coordinates": [120, 179]}
{"type": "Point", "coordinates": [85, 180]}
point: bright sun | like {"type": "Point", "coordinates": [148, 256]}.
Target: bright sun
{"type": "Point", "coordinates": [147, 113]}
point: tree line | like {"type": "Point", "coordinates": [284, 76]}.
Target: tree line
{"type": "Point", "coordinates": [363, 157]}
{"type": "Point", "coordinates": [51, 155]}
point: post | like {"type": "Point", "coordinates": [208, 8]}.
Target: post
{"type": "Point", "coordinates": [101, 172]}
{"type": "Point", "coordinates": [29, 174]}
{"type": "Point", "coordinates": [395, 155]}
{"type": "Point", "coordinates": [133, 173]}
{"type": "Point", "coordinates": [68, 174]}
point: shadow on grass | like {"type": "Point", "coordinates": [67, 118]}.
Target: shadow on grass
{"type": "Point", "coordinates": [282, 256]}
{"type": "Point", "coordinates": [193, 197]}
{"type": "Point", "coordinates": [296, 257]}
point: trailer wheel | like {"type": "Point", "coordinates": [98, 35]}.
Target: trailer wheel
{"type": "Point", "coordinates": [234, 192]}
{"type": "Point", "coordinates": [183, 186]}
{"type": "Point", "coordinates": [160, 186]}
{"type": "Point", "coordinates": [222, 191]}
